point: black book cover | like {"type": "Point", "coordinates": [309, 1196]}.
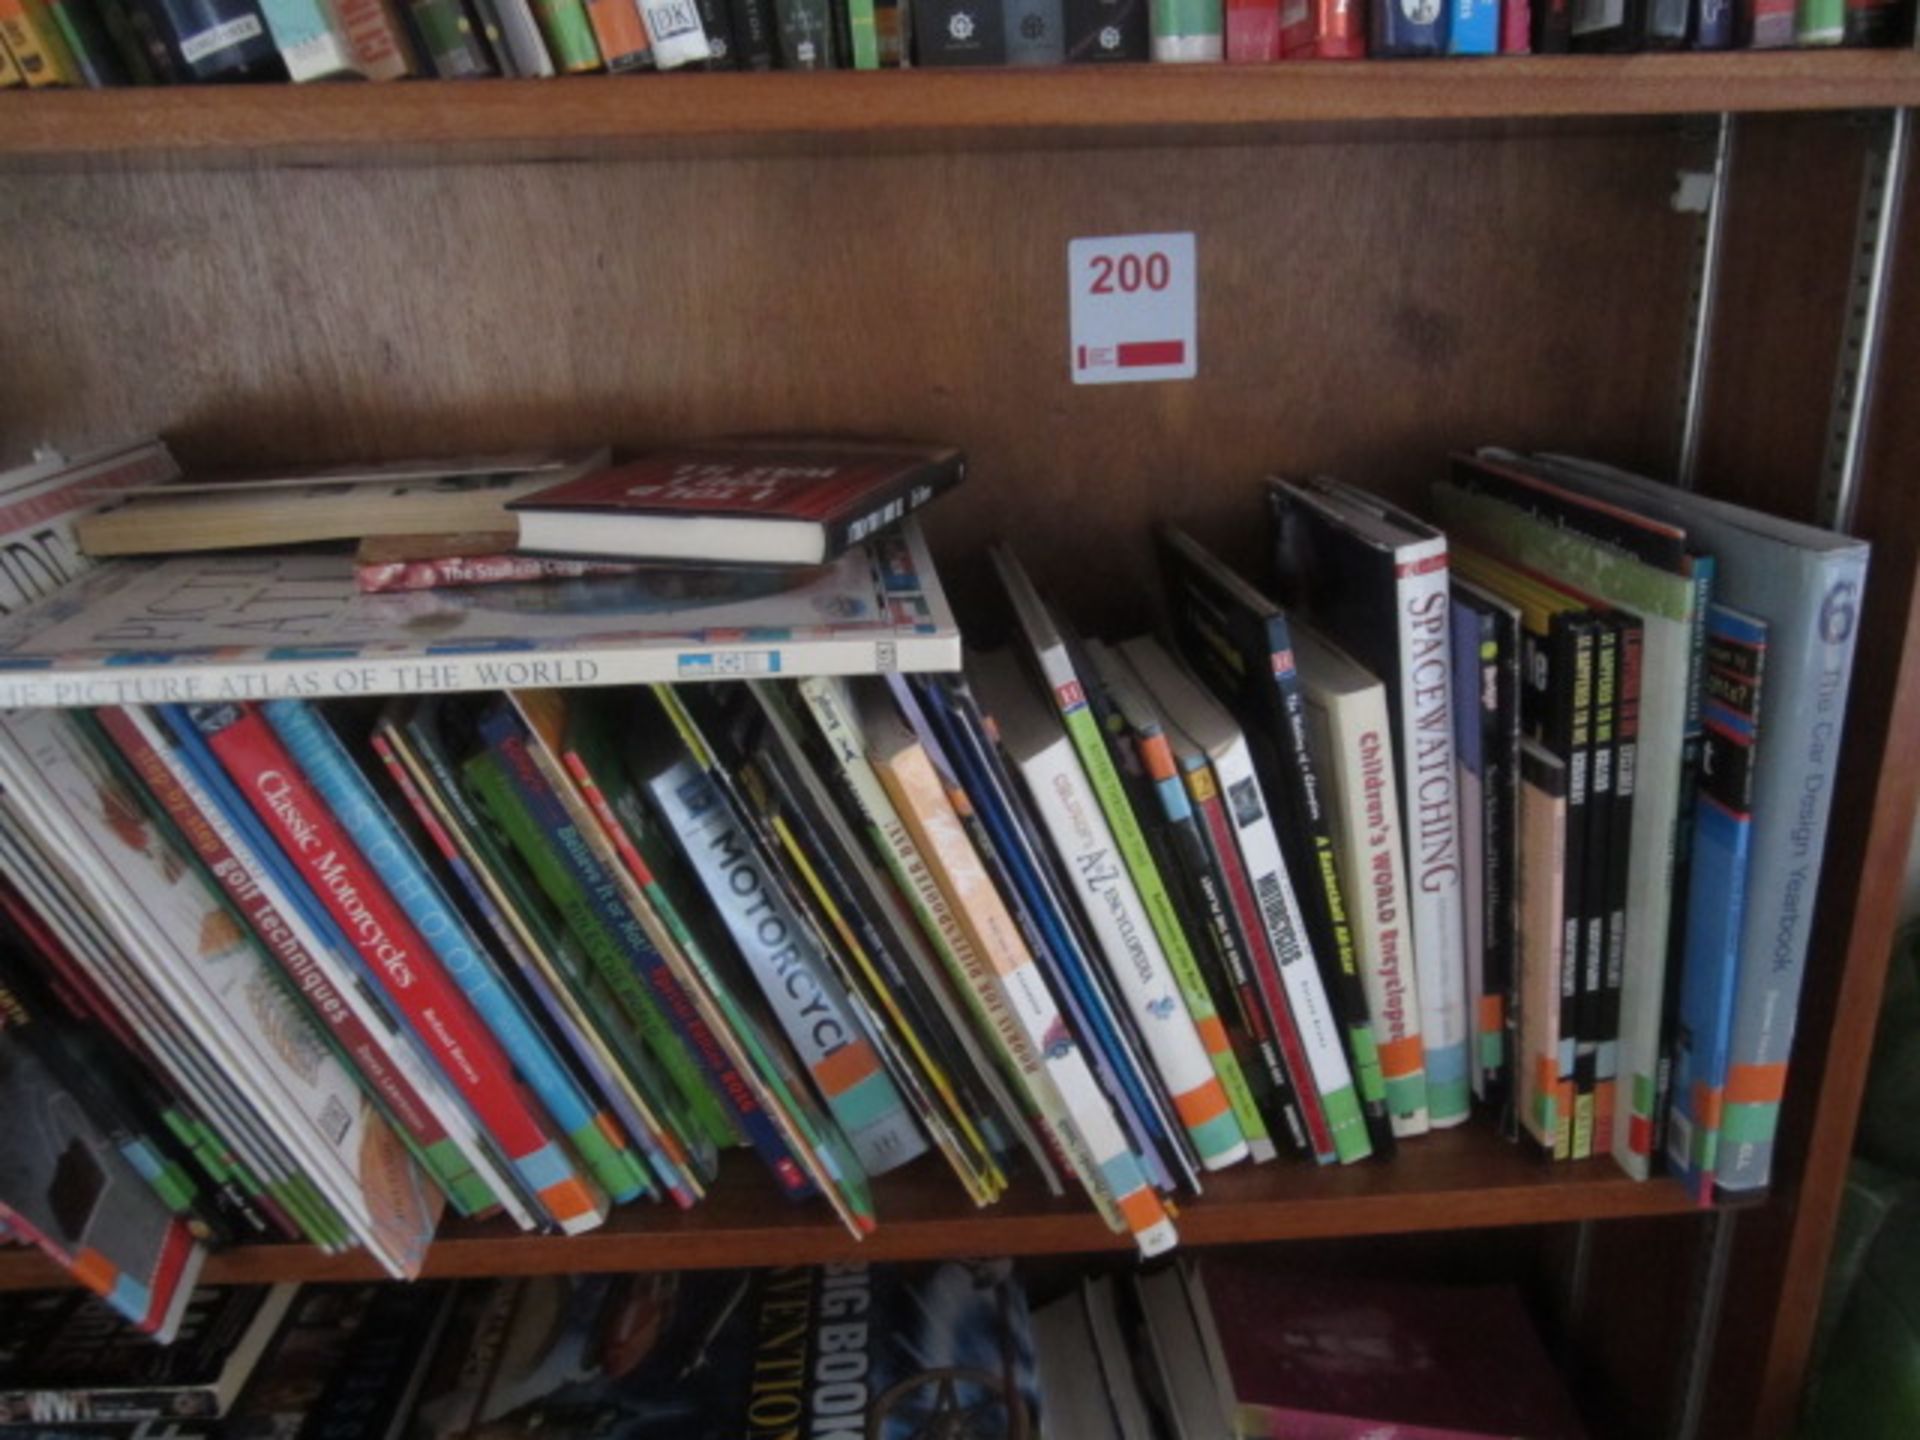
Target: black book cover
{"type": "Point", "coordinates": [1552, 27]}
{"type": "Point", "coordinates": [1597, 862]}
{"type": "Point", "coordinates": [1629, 634]}
{"type": "Point", "coordinates": [218, 39]}
{"type": "Point", "coordinates": [1567, 730]}
{"type": "Point", "coordinates": [1237, 642]}
{"type": "Point", "coordinates": [722, 47]}
{"type": "Point", "coordinates": [959, 32]}
{"type": "Point", "coordinates": [1104, 32]}
{"type": "Point", "coordinates": [752, 24]}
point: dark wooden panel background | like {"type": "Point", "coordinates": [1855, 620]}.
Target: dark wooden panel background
{"type": "Point", "coordinates": [1363, 307]}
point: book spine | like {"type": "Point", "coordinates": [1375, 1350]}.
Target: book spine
{"type": "Point", "coordinates": [1253, 31]}
{"type": "Point", "coordinates": [1819, 22]}
{"type": "Point", "coordinates": [1473, 27]}
{"type": "Point", "coordinates": [1409, 27]}
{"type": "Point", "coordinates": [1470, 790]}
{"type": "Point", "coordinates": [35, 42]}
{"type": "Point", "coordinates": [219, 39]}
{"type": "Point", "coordinates": [309, 39]}
{"type": "Point", "coordinates": [1036, 35]}
{"type": "Point", "coordinates": [1516, 26]}
{"type": "Point", "coordinates": [1626, 765]}
{"type": "Point", "coordinates": [377, 39]}
{"type": "Point", "coordinates": [1873, 22]}
{"type": "Point", "coordinates": [568, 34]}
{"type": "Point", "coordinates": [756, 38]}
{"type": "Point", "coordinates": [1186, 32]}
{"type": "Point", "coordinates": [676, 32]}
{"type": "Point", "coordinates": [958, 32]}
{"type": "Point", "coordinates": [334, 775]}
{"type": "Point", "coordinates": [178, 740]}
{"type": "Point", "coordinates": [514, 32]}
{"type": "Point", "coordinates": [1570, 718]}
{"type": "Point", "coordinates": [621, 36]}
{"type": "Point", "coordinates": [10, 75]}
{"type": "Point", "coordinates": [1604, 719]}
{"type": "Point", "coordinates": [1430, 809]}
{"type": "Point", "coordinates": [894, 843]}
{"type": "Point", "coordinates": [565, 1017]}
{"type": "Point", "coordinates": [1285, 931]}
{"type": "Point", "coordinates": [1766, 24]}
{"type": "Point", "coordinates": [523, 802]}
{"type": "Point", "coordinates": [96, 58]}
{"type": "Point", "coordinates": [1543, 872]}
{"type": "Point", "coordinates": [1723, 819]}
{"type": "Point", "coordinates": [228, 862]}
{"type": "Point", "coordinates": [1139, 971]}
{"type": "Point", "coordinates": [1811, 662]}
{"type": "Point", "coordinates": [1366, 808]}
{"type": "Point", "coordinates": [1106, 31]}
{"type": "Point", "coordinates": [793, 976]}
{"type": "Point", "coordinates": [322, 849]}
{"type": "Point", "coordinates": [1714, 25]}
{"type": "Point", "coordinates": [1084, 1125]}
{"type": "Point", "coordinates": [805, 34]}
{"type": "Point", "coordinates": [1263, 999]}
{"type": "Point", "coordinates": [1194, 881]}
{"type": "Point", "coordinates": [1226, 1142]}
{"type": "Point", "coordinates": [456, 51]}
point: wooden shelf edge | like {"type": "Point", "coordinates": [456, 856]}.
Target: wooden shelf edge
{"type": "Point", "coordinates": [1456, 1182]}
{"type": "Point", "coordinates": [937, 108]}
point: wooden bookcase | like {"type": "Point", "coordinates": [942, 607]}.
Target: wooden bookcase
{"type": "Point", "coordinates": [1395, 260]}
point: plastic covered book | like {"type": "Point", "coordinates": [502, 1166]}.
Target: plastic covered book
{"type": "Point", "coordinates": [270, 625]}
{"type": "Point", "coordinates": [885, 1353]}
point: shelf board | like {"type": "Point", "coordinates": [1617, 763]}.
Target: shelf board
{"type": "Point", "coordinates": [1463, 1179]}
{"type": "Point", "coordinates": [917, 109]}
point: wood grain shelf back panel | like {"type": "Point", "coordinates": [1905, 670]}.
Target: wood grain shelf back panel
{"type": "Point", "coordinates": [928, 109]}
{"type": "Point", "coordinates": [326, 315]}
{"type": "Point", "coordinates": [1461, 1179]}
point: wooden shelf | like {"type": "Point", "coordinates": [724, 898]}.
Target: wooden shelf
{"type": "Point", "coordinates": [920, 109]}
{"type": "Point", "coordinates": [1464, 1179]}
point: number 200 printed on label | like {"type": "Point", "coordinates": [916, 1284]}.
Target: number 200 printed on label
{"type": "Point", "coordinates": [1131, 304]}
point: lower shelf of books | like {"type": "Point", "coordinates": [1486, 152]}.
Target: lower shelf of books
{"type": "Point", "coordinates": [1463, 1179]}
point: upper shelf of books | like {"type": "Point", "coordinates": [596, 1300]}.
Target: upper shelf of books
{"type": "Point", "coordinates": [435, 121]}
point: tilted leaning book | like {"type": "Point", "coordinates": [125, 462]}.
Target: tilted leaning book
{"type": "Point", "coordinates": [262, 625]}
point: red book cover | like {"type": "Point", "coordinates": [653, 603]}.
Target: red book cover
{"type": "Point", "coordinates": [1516, 27]}
{"type": "Point", "coordinates": [1253, 31]}
{"type": "Point", "coordinates": [392, 950]}
{"type": "Point", "coordinates": [1331, 1357]}
{"type": "Point", "coordinates": [815, 499]}
{"type": "Point", "coordinates": [1339, 31]}
{"type": "Point", "coordinates": [277, 937]}
{"type": "Point", "coordinates": [1272, 999]}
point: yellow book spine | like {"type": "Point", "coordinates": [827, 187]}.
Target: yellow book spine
{"type": "Point", "coordinates": [10, 75]}
{"type": "Point", "coordinates": [38, 50]}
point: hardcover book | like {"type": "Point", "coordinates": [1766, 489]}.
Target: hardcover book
{"type": "Point", "coordinates": [261, 626]}
{"type": "Point", "coordinates": [407, 497]}
{"type": "Point", "coordinates": [737, 502]}
{"type": "Point", "coordinates": [1375, 579]}
{"type": "Point", "coordinates": [65, 1359]}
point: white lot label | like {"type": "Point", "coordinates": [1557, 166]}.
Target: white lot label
{"type": "Point", "coordinates": [1132, 308]}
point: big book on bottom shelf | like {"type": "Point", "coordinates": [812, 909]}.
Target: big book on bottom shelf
{"type": "Point", "coordinates": [1518, 809]}
{"type": "Point", "coordinates": [846, 1352]}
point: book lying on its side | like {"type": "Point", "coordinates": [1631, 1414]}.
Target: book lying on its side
{"type": "Point", "coordinates": [262, 626]}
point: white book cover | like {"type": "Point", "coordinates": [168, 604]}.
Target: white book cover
{"type": "Point", "coordinates": [257, 626]}
{"type": "Point", "coordinates": [199, 959]}
{"type": "Point", "coordinates": [39, 504]}
{"type": "Point", "coordinates": [1353, 742]}
{"type": "Point", "coordinates": [1068, 808]}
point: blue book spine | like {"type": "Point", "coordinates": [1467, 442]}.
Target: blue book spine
{"type": "Point", "coordinates": [1714, 30]}
{"type": "Point", "coordinates": [1064, 960]}
{"type": "Point", "coordinates": [354, 804]}
{"type": "Point", "coordinates": [1473, 27]}
{"type": "Point", "coordinates": [1409, 27]}
{"type": "Point", "coordinates": [499, 728]}
{"type": "Point", "coordinates": [1717, 894]}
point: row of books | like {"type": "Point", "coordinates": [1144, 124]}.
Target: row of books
{"type": "Point", "coordinates": [1186, 1352]}
{"type": "Point", "coordinates": [1492, 813]}
{"type": "Point", "coordinates": [98, 43]}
